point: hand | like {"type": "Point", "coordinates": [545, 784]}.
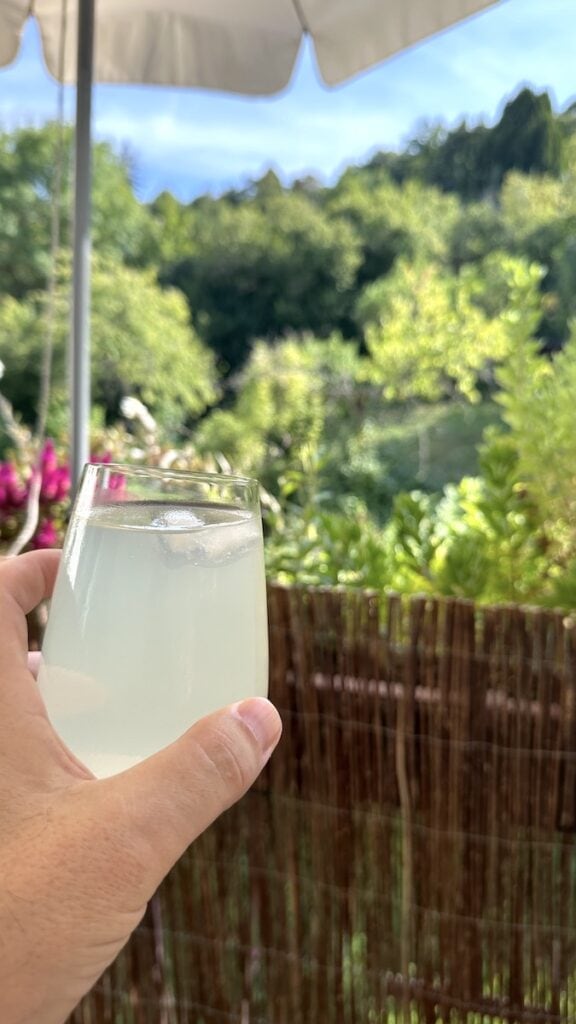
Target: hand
{"type": "Point", "coordinates": [80, 857]}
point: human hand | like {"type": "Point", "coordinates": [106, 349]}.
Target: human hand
{"type": "Point", "coordinates": [80, 857]}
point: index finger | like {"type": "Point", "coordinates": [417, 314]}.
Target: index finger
{"type": "Point", "coordinates": [25, 581]}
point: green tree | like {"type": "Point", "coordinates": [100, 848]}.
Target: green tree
{"type": "Point", "coordinates": [297, 392]}
{"type": "Point", "coordinates": [537, 397]}
{"type": "Point", "coordinates": [508, 534]}
{"type": "Point", "coordinates": [168, 236]}
{"type": "Point", "coordinates": [539, 217]}
{"type": "Point", "coordinates": [528, 137]}
{"type": "Point", "coordinates": [472, 161]}
{"type": "Point", "coordinates": [478, 230]}
{"type": "Point", "coordinates": [264, 269]}
{"type": "Point", "coordinates": [392, 221]}
{"type": "Point", "coordinates": [456, 160]}
{"type": "Point", "coordinates": [428, 334]}
{"type": "Point", "coordinates": [28, 159]}
{"type": "Point", "coordinates": [142, 344]}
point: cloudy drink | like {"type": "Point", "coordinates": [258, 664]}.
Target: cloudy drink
{"type": "Point", "coordinates": [158, 618]}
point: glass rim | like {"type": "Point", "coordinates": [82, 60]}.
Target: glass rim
{"type": "Point", "coordinates": [178, 474]}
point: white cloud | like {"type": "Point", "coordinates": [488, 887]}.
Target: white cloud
{"type": "Point", "coordinates": [297, 141]}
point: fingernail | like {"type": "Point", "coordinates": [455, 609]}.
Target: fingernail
{"type": "Point", "coordinates": [263, 721]}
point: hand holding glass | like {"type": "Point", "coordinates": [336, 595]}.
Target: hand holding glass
{"type": "Point", "coordinates": [159, 612]}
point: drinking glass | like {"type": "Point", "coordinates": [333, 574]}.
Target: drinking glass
{"type": "Point", "coordinates": [159, 612]}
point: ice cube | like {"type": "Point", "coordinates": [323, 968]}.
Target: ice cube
{"type": "Point", "coordinates": [177, 519]}
{"type": "Point", "coordinates": [216, 543]}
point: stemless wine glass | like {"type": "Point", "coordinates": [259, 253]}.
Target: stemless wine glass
{"type": "Point", "coordinates": [159, 611]}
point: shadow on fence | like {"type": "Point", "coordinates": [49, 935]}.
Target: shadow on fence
{"type": "Point", "coordinates": [409, 853]}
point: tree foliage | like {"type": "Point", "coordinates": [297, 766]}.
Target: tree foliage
{"type": "Point", "coordinates": [263, 270]}
{"type": "Point", "coordinates": [537, 396]}
{"type": "Point", "coordinates": [392, 222]}
{"type": "Point", "coordinates": [474, 161]}
{"type": "Point", "coordinates": [293, 394]}
{"type": "Point", "coordinates": [429, 333]}
{"type": "Point", "coordinates": [28, 158]}
{"type": "Point", "coordinates": [142, 344]}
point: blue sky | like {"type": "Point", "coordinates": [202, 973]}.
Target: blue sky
{"type": "Point", "coordinates": [193, 142]}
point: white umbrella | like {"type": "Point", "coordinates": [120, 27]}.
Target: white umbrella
{"type": "Point", "coordinates": [242, 46]}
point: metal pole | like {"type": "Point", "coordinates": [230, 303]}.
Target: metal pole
{"type": "Point", "coordinates": [79, 352]}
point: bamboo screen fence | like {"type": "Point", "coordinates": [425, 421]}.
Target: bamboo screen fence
{"type": "Point", "coordinates": [409, 853]}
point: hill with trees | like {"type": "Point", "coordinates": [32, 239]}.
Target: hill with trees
{"type": "Point", "coordinates": [391, 355]}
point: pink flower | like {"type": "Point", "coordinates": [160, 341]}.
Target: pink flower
{"type": "Point", "coordinates": [54, 488]}
{"type": "Point", "coordinates": [55, 485]}
{"type": "Point", "coordinates": [49, 460]}
{"type": "Point", "coordinates": [117, 481]}
{"type": "Point", "coordinates": [46, 535]}
{"type": "Point", "coordinates": [12, 493]}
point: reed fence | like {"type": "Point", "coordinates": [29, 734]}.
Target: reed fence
{"type": "Point", "coordinates": [409, 853]}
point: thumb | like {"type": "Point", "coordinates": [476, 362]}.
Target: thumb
{"type": "Point", "coordinates": [165, 802]}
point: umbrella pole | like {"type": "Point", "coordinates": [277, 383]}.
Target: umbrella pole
{"type": "Point", "coordinates": [80, 334]}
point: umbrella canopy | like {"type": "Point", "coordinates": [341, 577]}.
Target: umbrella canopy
{"type": "Point", "coordinates": [240, 46]}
